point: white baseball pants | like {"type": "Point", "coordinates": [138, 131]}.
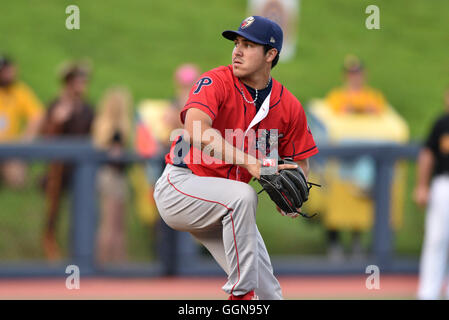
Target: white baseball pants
{"type": "Point", "coordinates": [434, 255]}
{"type": "Point", "coordinates": [221, 214]}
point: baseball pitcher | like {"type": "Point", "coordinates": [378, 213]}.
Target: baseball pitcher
{"type": "Point", "coordinates": [239, 124]}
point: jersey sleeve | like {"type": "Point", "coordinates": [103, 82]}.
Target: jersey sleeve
{"type": "Point", "coordinates": [207, 94]}
{"type": "Point", "coordinates": [298, 142]}
{"type": "Point", "coordinates": [434, 136]}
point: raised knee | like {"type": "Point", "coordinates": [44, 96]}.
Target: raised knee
{"type": "Point", "coordinates": [247, 195]}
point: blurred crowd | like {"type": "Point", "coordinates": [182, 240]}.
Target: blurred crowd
{"type": "Point", "coordinates": [116, 127]}
{"type": "Point", "coordinates": [109, 125]}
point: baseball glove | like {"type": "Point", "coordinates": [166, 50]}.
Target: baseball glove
{"type": "Point", "coordinates": [288, 188]}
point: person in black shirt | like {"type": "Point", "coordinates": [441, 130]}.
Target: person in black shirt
{"type": "Point", "coordinates": [69, 115]}
{"type": "Point", "coordinates": [432, 189]}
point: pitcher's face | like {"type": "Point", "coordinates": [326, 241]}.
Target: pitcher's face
{"type": "Point", "coordinates": [247, 57]}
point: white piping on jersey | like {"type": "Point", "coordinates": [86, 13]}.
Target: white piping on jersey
{"type": "Point", "coordinates": [260, 115]}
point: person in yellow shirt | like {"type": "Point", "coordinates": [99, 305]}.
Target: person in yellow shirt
{"type": "Point", "coordinates": [355, 96]}
{"type": "Point", "coordinates": [20, 116]}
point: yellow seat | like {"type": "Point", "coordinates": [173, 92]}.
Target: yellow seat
{"type": "Point", "coordinates": [346, 198]}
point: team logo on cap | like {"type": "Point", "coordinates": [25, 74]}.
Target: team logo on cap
{"type": "Point", "coordinates": [272, 40]}
{"type": "Point", "coordinates": [247, 22]}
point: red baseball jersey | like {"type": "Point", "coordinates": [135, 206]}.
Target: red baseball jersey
{"type": "Point", "coordinates": [219, 94]}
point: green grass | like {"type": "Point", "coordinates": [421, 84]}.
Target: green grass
{"type": "Point", "coordinates": [22, 221]}
{"type": "Point", "coordinates": [139, 43]}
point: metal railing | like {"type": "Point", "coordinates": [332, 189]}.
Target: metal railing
{"type": "Point", "coordinates": [86, 160]}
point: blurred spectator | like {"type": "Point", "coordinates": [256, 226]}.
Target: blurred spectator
{"type": "Point", "coordinates": [69, 115]}
{"type": "Point", "coordinates": [185, 77]}
{"type": "Point", "coordinates": [355, 96]}
{"type": "Point", "coordinates": [111, 132]}
{"type": "Point", "coordinates": [20, 116]}
{"type": "Point", "coordinates": [168, 240]}
{"type": "Point", "coordinates": [432, 189]}
{"type": "Point", "coordinates": [156, 119]}
{"type": "Point", "coordinates": [154, 128]}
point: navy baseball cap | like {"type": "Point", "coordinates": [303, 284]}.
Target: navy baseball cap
{"type": "Point", "coordinates": [259, 30]}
